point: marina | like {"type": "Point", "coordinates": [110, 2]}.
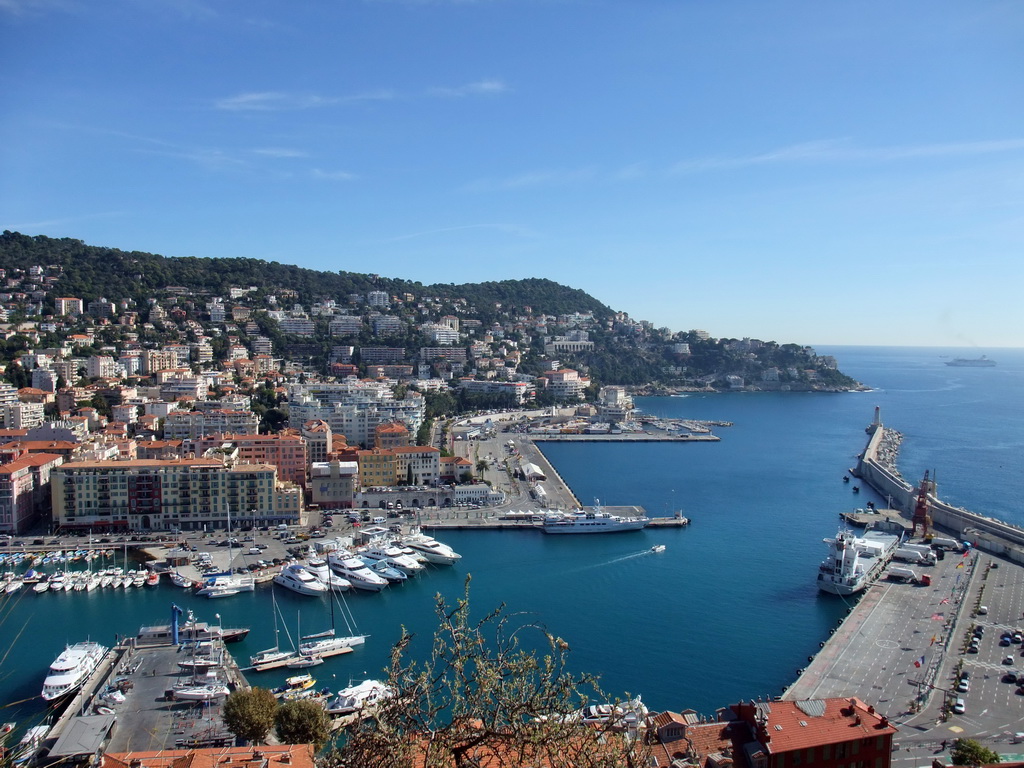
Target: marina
{"type": "Point", "coordinates": [776, 499]}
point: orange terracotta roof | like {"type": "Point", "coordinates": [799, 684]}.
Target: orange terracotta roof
{"type": "Point", "coordinates": [31, 460]}
{"type": "Point", "coordinates": [277, 756]}
{"type": "Point", "coordinates": [789, 726]}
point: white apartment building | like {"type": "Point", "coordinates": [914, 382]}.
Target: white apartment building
{"type": "Point", "coordinates": [102, 366]}
{"type": "Point", "coordinates": [345, 325]}
{"type": "Point", "coordinates": [23, 415]}
{"type": "Point", "coordinates": [181, 425]}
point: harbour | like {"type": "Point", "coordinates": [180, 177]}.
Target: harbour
{"type": "Point", "coordinates": [743, 483]}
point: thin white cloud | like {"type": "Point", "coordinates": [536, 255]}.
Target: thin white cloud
{"type": "Point", "coordinates": [272, 101]}
{"type": "Point", "coordinates": [279, 101]}
{"type": "Point", "coordinates": [538, 178]}
{"type": "Point", "coordinates": [836, 150]}
{"type": "Point", "coordinates": [205, 156]}
{"type": "Point", "coordinates": [319, 173]}
{"type": "Point", "coordinates": [51, 223]}
{"type": "Point", "coordinates": [283, 153]}
{"type": "Point", "coordinates": [479, 88]}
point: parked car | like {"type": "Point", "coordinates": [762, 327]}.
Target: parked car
{"type": "Point", "coordinates": [959, 707]}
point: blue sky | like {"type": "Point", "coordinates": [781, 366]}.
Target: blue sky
{"type": "Point", "coordinates": [829, 173]}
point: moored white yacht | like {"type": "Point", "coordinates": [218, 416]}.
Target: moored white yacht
{"type": "Point", "coordinates": [319, 568]}
{"type": "Point", "coordinates": [394, 557]}
{"type": "Point", "coordinates": [350, 567]}
{"type": "Point", "coordinates": [432, 549]}
{"type": "Point", "coordinates": [296, 578]}
{"type": "Point", "coordinates": [381, 568]}
{"type": "Point", "coordinates": [360, 696]}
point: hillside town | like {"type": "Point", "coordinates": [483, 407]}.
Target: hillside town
{"type": "Point", "coordinates": [175, 412]}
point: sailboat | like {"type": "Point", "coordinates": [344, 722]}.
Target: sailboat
{"type": "Point", "coordinates": [302, 661]}
{"type": "Point", "coordinates": [328, 643]}
{"type": "Point", "coordinates": [227, 583]}
{"type": "Point", "coordinates": [271, 658]}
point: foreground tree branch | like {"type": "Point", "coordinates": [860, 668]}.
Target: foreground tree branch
{"type": "Point", "coordinates": [493, 693]}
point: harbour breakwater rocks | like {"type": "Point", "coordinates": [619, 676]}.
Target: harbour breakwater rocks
{"type": "Point", "coordinates": [877, 468]}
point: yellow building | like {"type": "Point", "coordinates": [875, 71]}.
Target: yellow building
{"type": "Point", "coordinates": [377, 466]}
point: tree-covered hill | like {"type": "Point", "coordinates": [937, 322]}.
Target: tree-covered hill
{"type": "Point", "coordinates": [91, 272]}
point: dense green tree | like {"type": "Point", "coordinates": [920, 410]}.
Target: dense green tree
{"type": "Point", "coordinates": [302, 722]}
{"type": "Point", "coordinates": [274, 420]}
{"type": "Point", "coordinates": [17, 375]}
{"type": "Point", "coordinates": [971, 752]}
{"type": "Point", "coordinates": [249, 714]}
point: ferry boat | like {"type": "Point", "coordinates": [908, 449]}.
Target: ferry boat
{"type": "Point", "coordinates": [853, 562]}
{"type": "Point", "coordinates": [592, 521]}
{"type": "Point", "coordinates": [71, 669]}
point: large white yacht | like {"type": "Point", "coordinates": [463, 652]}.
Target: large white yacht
{"type": "Point", "coordinates": [71, 669]}
{"type": "Point", "coordinates": [350, 567]}
{"type": "Point", "coordinates": [594, 520]}
{"type": "Point", "coordinates": [296, 578]}
{"type": "Point", "coordinates": [432, 549]}
{"type": "Point", "coordinates": [394, 557]}
{"type": "Point", "coordinates": [319, 568]}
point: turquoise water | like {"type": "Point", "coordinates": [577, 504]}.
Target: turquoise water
{"type": "Point", "coordinates": [728, 611]}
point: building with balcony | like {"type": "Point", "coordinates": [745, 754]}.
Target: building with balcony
{"type": "Point", "coordinates": [171, 494]}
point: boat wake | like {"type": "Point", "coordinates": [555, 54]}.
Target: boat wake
{"type": "Point", "coordinates": [613, 561]}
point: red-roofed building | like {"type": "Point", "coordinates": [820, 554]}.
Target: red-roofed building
{"type": "Point", "coordinates": [455, 469]}
{"type": "Point", "coordinates": [263, 756]}
{"type": "Point", "coordinates": [819, 733]}
{"type": "Point", "coordinates": [390, 435]}
{"type": "Point", "coordinates": [25, 490]}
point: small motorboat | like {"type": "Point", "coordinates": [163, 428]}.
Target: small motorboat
{"type": "Point", "coordinates": [658, 548]}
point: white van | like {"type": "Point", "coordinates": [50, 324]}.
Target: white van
{"type": "Point", "coordinates": [378, 520]}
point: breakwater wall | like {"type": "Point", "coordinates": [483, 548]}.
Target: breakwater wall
{"type": "Point", "coordinates": [986, 533]}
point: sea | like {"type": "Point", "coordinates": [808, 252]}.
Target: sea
{"type": "Point", "coordinates": [729, 611]}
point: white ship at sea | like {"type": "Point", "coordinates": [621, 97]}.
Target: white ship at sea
{"type": "Point", "coordinates": [593, 520]}
{"type": "Point", "coordinates": [853, 562]}
{"type": "Point", "coordinates": [71, 669]}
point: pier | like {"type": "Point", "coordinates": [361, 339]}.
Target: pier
{"type": "Point", "coordinates": [903, 647]}
{"type": "Point", "coordinates": [877, 468]}
{"type": "Point", "coordinates": [147, 718]}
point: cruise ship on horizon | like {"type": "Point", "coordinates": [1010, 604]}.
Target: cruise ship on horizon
{"type": "Point", "coordinates": [972, 362]}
